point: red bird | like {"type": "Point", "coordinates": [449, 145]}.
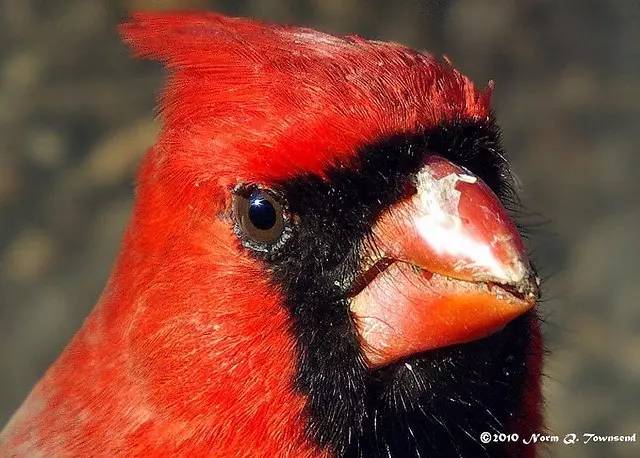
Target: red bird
{"type": "Point", "coordinates": [319, 263]}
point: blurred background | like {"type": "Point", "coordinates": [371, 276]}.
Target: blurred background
{"type": "Point", "coordinates": [76, 113]}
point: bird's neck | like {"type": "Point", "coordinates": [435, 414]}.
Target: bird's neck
{"type": "Point", "coordinates": [160, 367]}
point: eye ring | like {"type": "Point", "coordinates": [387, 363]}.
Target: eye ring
{"type": "Point", "coordinates": [261, 218]}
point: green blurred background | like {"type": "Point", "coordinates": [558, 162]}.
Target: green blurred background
{"type": "Point", "coordinates": [76, 115]}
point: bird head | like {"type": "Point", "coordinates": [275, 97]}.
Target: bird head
{"type": "Point", "coordinates": [321, 256]}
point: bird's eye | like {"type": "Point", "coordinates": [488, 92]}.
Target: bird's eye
{"type": "Point", "coordinates": [260, 218]}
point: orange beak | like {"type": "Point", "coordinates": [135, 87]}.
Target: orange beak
{"type": "Point", "coordinates": [447, 266]}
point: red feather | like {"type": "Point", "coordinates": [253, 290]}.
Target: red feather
{"type": "Point", "coordinates": [189, 348]}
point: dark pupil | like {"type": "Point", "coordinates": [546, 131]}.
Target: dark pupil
{"type": "Point", "coordinates": [261, 212]}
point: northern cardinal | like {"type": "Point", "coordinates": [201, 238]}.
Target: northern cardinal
{"type": "Point", "coordinates": [319, 263]}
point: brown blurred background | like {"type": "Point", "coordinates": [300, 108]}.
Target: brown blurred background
{"type": "Point", "coordinates": [76, 115]}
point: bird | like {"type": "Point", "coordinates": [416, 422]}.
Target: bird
{"type": "Point", "coordinates": [323, 259]}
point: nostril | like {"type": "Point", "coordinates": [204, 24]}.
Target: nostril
{"type": "Point", "coordinates": [409, 189]}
